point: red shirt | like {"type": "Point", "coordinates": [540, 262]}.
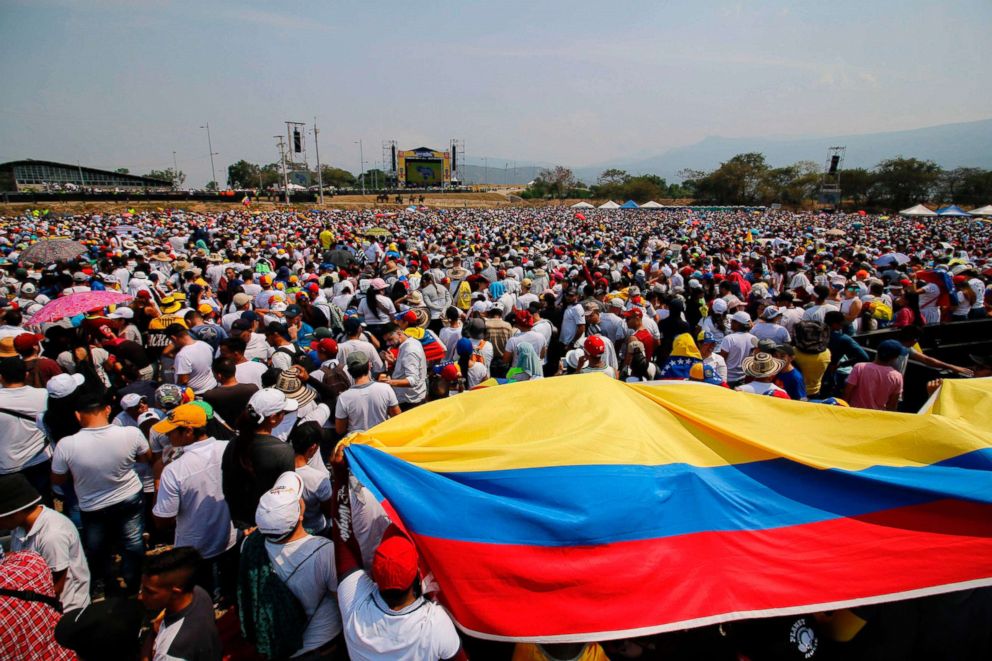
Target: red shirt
{"type": "Point", "coordinates": [27, 628]}
{"type": "Point", "coordinates": [647, 339]}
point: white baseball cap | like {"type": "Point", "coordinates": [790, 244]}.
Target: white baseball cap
{"type": "Point", "coordinates": [269, 401]}
{"type": "Point", "coordinates": [130, 400]}
{"type": "Point", "coordinates": [63, 385]}
{"type": "Point", "coordinates": [148, 415]}
{"type": "Point", "coordinates": [121, 313]}
{"type": "Point", "coordinates": [278, 509]}
{"type": "Point", "coordinates": [741, 317]}
{"type": "Point", "coordinates": [719, 306]}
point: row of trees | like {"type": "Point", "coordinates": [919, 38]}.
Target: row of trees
{"type": "Point", "coordinates": [894, 183]}
{"type": "Point", "coordinates": [748, 179]}
{"type": "Point", "coordinates": [251, 175]}
{"type": "Point", "coordinates": [560, 182]}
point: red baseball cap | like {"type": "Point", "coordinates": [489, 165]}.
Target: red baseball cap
{"type": "Point", "coordinates": [594, 345]}
{"type": "Point", "coordinates": [633, 312]}
{"type": "Point", "coordinates": [394, 566]}
{"type": "Point", "coordinates": [450, 372]}
{"type": "Point", "coordinates": [27, 340]}
{"type": "Point", "coordinates": [327, 345]}
{"type": "Point", "coordinates": [524, 317]}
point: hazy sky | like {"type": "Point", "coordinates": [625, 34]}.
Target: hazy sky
{"type": "Point", "coordinates": [118, 83]}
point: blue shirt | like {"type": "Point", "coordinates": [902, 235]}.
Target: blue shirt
{"type": "Point", "coordinates": [792, 382]}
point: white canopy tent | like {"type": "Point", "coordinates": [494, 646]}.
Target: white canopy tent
{"type": "Point", "coordinates": [582, 205]}
{"type": "Point", "coordinates": [609, 205]}
{"type": "Point", "coordinates": [982, 211]}
{"type": "Point", "coordinates": [918, 210]}
{"type": "Point", "coordinates": [652, 205]}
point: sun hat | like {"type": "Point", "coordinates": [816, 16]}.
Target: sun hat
{"type": "Point", "coordinates": [289, 382]}
{"type": "Point", "coordinates": [278, 509]}
{"type": "Point", "coordinates": [16, 494]}
{"type": "Point", "coordinates": [395, 563]}
{"type": "Point", "coordinates": [741, 317]}
{"type": "Point", "coordinates": [170, 305]}
{"type": "Point", "coordinates": [762, 365]}
{"type": "Point", "coordinates": [63, 385]}
{"type": "Point", "coordinates": [187, 415]}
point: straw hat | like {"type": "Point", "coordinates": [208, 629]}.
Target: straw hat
{"type": "Point", "coordinates": [761, 365]}
{"type": "Point", "coordinates": [161, 256]}
{"type": "Point", "coordinates": [7, 348]}
{"type": "Point", "coordinates": [289, 382]}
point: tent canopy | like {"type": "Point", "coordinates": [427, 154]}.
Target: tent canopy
{"type": "Point", "coordinates": [918, 210]}
{"type": "Point", "coordinates": [982, 211]}
{"type": "Point", "coordinates": [651, 205]}
{"type": "Point", "coordinates": [953, 210]}
{"type": "Point", "coordinates": [582, 205]}
{"type": "Point", "coordinates": [609, 205]}
{"type": "Point", "coordinates": [630, 204]}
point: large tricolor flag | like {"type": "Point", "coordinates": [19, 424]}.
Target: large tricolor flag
{"type": "Point", "coordinates": [581, 508]}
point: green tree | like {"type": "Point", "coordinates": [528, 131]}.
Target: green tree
{"type": "Point", "coordinates": [211, 186]}
{"type": "Point", "coordinates": [741, 180]}
{"type": "Point", "coordinates": [555, 182]}
{"type": "Point", "coordinates": [337, 177]}
{"type": "Point", "coordinates": [856, 184]}
{"type": "Point", "coordinates": [243, 175]}
{"type": "Point", "coordinates": [906, 181]}
{"type": "Point", "coordinates": [969, 186]}
{"type": "Point", "coordinates": [168, 175]}
{"type": "Point", "coordinates": [122, 171]}
{"type": "Point", "coordinates": [613, 177]}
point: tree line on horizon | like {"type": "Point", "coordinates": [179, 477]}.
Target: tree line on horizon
{"type": "Point", "coordinates": [748, 179]}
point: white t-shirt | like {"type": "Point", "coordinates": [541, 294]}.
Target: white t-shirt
{"type": "Point", "coordinates": [737, 346]}
{"type": "Point", "coordinates": [384, 313]}
{"type": "Point", "coordinates": [574, 317]}
{"type": "Point", "coordinates": [718, 364]}
{"type": "Point", "coordinates": [55, 538]}
{"type": "Point", "coordinates": [422, 631]}
{"type": "Point", "coordinates": [190, 490]}
{"type": "Point", "coordinates": [350, 346]}
{"type": "Point", "coordinates": [531, 337]}
{"type": "Point", "coordinates": [197, 360]}
{"type": "Point", "coordinates": [366, 405]}
{"type": "Point", "coordinates": [249, 372]}
{"type": "Point", "coordinates": [22, 443]}
{"type": "Point", "coordinates": [313, 583]}
{"type": "Point", "coordinates": [101, 460]}
{"type": "Point", "coordinates": [316, 490]}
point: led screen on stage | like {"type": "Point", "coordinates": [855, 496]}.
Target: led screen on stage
{"type": "Point", "coordinates": [424, 173]}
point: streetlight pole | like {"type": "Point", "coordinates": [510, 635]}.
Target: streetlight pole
{"type": "Point", "coordinates": [361, 155]}
{"type": "Point", "coordinates": [282, 160]}
{"type": "Point", "coordinates": [210, 146]}
{"type": "Point", "coordinates": [320, 178]}
{"type": "Point", "coordinates": [486, 182]}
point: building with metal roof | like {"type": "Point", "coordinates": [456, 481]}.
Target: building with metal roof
{"type": "Point", "coordinates": [31, 175]}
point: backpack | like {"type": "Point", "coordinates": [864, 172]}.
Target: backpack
{"type": "Point", "coordinates": [335, 381]}
{"type": "Point", "coordinates": [811, 336]}
{"type": "Point", "coordinates": [298, 357]}
{"type": "Point", "coordinates": [272, 618]}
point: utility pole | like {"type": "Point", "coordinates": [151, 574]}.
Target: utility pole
{"type": "Point", "coordinates": [486, 182]}
{"type": "Point", "coordinates": [282, 160]}
{"type": "Point", "coordinates": [316, 143]}
{"type": "Point", "coordinates": [361, 155]}
{"type": "Point", "coordinates": [175, 172]}
{"type": "Point", "coordinates": [210, 147]}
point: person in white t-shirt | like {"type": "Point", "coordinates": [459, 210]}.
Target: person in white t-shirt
{"type": "Point", "coordinates": [305, 563]}
{"type": "Point", "coordinates": [194, 360]}
{"type": "Point", "coordinates": [385, 615]}
{"type": "Point", "coordinates": [245, 371]}
{"type": "Point", "coordinates": [22, 442]}
{"type": "Point", "coordinates": [100, 457]}
{"type": "Point", "coordinates": [190, 497]}
{"type": "Point", "coordinates": [48, 533]}
{"type": "Point", "coordinates": [365, 404]}
{"type": "Point", "coordinates": [737, 346]}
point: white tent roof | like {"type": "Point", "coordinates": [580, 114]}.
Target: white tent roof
{"type": "Point", "coordinates": [582, 205]}
{"type": "Point", "coordinates": [918, 210]}
{"type": "Point", "coordinates": [982, 211]}
{"type": "Point", "coordinates": [651, 205]}
{"type": "Point", "coordinates": [609, 205]}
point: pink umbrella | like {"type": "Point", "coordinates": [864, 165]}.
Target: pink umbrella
{"type": "Point", "coordinates": [73, 304]}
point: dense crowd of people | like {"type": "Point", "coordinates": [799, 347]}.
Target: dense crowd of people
{"type": "Point", "coordinates": [179, 446]}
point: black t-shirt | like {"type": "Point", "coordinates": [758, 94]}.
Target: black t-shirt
{"type": "Point", "coordinates": [230, 401]}
{"type": "Point", "coordinates": [243, 486]}
{"type": "Point", "coordinates": [191, 634]}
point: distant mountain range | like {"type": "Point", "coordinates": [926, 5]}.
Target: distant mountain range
{"type": "Point", "coordinates": [949, 145]}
